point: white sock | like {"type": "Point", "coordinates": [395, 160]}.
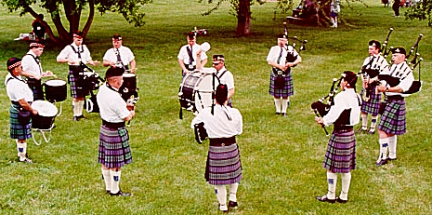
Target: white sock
{"type": "Point", "coordinates": [392, 146]}
{"type": "Point", "coordinates": [383, 148]}
{"type": "Point", "coordinates": [346, 180]}
{"type": "Point", "coordinates": [278, 105]}
{"type": "Point", "coordinates": [22, 149]}
{"type": "Point", "coordinates": [364, 118]}
{"type": "Point", "coordinates": [221, 194]}
{"type": "Point", "coordinates": [373, 123]}
{"type": "Point", "coordinates": [284, 105]}
{"type": "Point", "coordinates": [331, 181]}
{"type": "Point", "coordinates": [233, 192]}
{"type": "Point", "coordinates": [115, 175]}
{"type": "Point", "coordinates": [107, 178]}
{"type": "Point", "coordinates": [80, 107]}
{"type": "Point", "coordinates": [75, 108]}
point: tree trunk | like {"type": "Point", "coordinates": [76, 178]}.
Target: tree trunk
{"type": "Point", "coordinates": [243, 18]}
{"type": "Point", "coordinates": [90, 18]}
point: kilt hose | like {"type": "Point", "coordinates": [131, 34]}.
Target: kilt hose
{"type": "Point", "coordinates": [223, 165]}
{"type": "Point", "coordinates": [77, 89]}
{"type": "Point", "coordinates": [341, 152]}
{"type": "Point", "coordinates": [286, 91]}
{"type": "Point", "coordinates": [372, 106]}
{"type": "Point", "coordinates": [114, 149]}
{"type": "Point", "coordinates": [393, 120]}
{"type": "Point", "coordinates": [18, 131]}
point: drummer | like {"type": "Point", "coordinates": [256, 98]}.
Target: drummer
{"type": "Point", "coordinates": [32, 69]}
{"type": "Point", "coordinates": [21, 97]}
{"type": "Point", "coordinates": [120, 56]}
{"type": "Point", "coordinates": [75, 55]}
{"type": "Point", "coordinates": [187, 57]}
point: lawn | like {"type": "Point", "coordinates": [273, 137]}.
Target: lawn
{"type": "Point", "coordinates": [281, 157]}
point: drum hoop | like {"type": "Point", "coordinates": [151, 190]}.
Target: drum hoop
{"type": "Point", "coordinates": [54, 84]}
{"type": "Point", "coordinates": [128, 75]}
{"type": "Point", "coordinates": [37, 105]}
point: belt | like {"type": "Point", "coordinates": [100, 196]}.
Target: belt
{"type": "Point", "coordinates": [222, 141]}
{"type": "Point", "coordinates": [114, 125]}
{"type": "Point", "coordinates": [393, 98]}
{"type": "Point", "coordinates": [343, 128]}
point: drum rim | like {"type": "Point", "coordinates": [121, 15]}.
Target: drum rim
{"type": "Point", "coordinates": [63, 82]}
{"type": "Point", "coordinates": [128, 75]}
{"type": "Point", "coordinates": [44, 102]}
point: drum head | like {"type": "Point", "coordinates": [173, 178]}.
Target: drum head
{"type": "Point", "coordinates": [204, 94]}
{"type": "Point", "coordinates": [209, 70]}
{"type": "Point", "coordinates": [55, 83]}
{"type": "Point", "coordinates": [45, 108]}
{"type": "Point", "coordinates": [128, 75]}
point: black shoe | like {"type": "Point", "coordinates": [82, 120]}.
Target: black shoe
{"type": "Point", "coordinates": [371, 131]}
{"type": "Point", "coordinates": [81, 117]}
{"type": "Point", "coordinates": [382, 162]}
{"type": "Point", "coordinates": [325, 199]}
{"type": "Point", "coordinates": [76, 118]}
{"type": "Point", "coordinates": [391, 159]}
{"type": "Point", "coordinates": [232, 204]}
{"type": "Point", "coordinates": [284, 114]}
{"type": "Point", "coordinates": [120, 193]}
{"type": "Point", "coordinates": [341, 200]}
{"type": "Point", "coordinates": [277, 113]}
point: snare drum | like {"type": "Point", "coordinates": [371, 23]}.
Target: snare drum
{"type": "Point", "coordinates": [55, 90]}
{"type": "Point", "coordinates": [46, 114]}
{"type": "Point", "coordinates": [128, 88]}
{"type": "Point", "coordinates": [196, 90]}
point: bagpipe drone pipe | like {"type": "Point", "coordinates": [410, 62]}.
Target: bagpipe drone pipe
{"type": "Point", "coordinates": [322, 106]}
{"type": "Point", "coordinates": [290, 57]}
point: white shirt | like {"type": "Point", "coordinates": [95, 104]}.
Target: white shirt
{"type": "Point", "coordinates": [18, 89]}
{"type": "Point", "coordinates": [274, 53]}
{"type": "Point", "coordinates": [404, 73]}
{"type": "Point", "coordinates": [69, 53]}
{"type": "Point", "coordinates": [112, 107]}
{"type": "Point", "coordinates": [219, 125]}
{"type": "Point", "coordinates": [183, 54]}
{"type": "Point", "coordinates": [30, 65]}
{"type": "Point", "coordinates": [342, 101]}
{"type": "Point", "coordinates": [378, 63]}
{"type": "Point", "coordinates": [126, 55]}
{"type": "Point", "coordinates": [227, 78]}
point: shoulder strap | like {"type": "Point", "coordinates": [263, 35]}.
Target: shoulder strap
{"type": "Point", "coordinates": [10, 78]}
{"type": "Point", "coordinates": [223, 73]}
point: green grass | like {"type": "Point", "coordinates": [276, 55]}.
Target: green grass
{"type": "Point", "coordinates": [281, 157]}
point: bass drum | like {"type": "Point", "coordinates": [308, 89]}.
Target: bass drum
{"type": "Point", "coordinates": [46, 115]}
{"type": "Point", "coordinates": [196, 90]}
{"type": "Point", "coordinates": [55, 90]}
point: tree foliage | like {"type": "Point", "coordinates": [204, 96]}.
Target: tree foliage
{"type": "Point", "coordinates": [72, 11]}
{"type": "Point", "coordinates": [240, 9]}
{"type": "Point", "coordinates": [421, 11]}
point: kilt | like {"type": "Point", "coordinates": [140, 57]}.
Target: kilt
{"type": "Point", "coordinates": [36, 87]}
{"type": "Point", "coordinates": [77, 90]}
{"type": "Point", "coordinates": [114, 149]}
{"type": "Point", "coordinates": [341, 152]}
{"type": "Point", "coordinates": [372, 106]}
{"type": "Point", "coordinates": [18, 131]}
{"type": "Point", "coordinates": [223, 165]}
{"type": "Point", "coordinates": [393, 120]}
{"type": "Point", "coordinates": [288, 89]}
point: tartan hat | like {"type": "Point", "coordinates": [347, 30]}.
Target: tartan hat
{"type": "Point", "coordinates": [221, 93]}
{"type": "Point", "coordinates": [114, 71]}
{"type": "Point", "coordinates": [218, 57]}
{"type": "Point", "coordinates": [12, 63]}
{"type": "Point", "coordinates": [375, 43]}
{"type": "Point", "coordinates": [350, 77]}
{"type": "Point", "coordinates": [117, 37]}
{"type": "Point", "coordinates": [78, 34]}
{"type": "Point", "coordinates": [282, 36]}
{"type": "Point", "coordinates": [398, 50]}
{"type": "Point", "coordinates": [191, 35]}
{"type": "Point", "coordinates": [37, 44]}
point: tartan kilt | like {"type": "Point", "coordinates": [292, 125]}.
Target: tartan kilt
{"type": "Point", "coordinates": [373, 105]}
{"type": "Point", "coordinates": [393, 120]}
{"type": "Point", "coordinates": [223, 165]}
{"type": "Point", "coordinates": [288, 89]}
{"type": "Point", "coordinates": [18, 131]}
{"type": "Point", "coordinates": [37, 90]}
{"type": "Point", "coordinates": [114, 149]}
{"type": "Point", "coordinates": [341, 152]}
{"type": "Point", "coordinates": [77, 90]}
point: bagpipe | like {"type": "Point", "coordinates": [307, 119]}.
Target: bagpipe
{"type": "Point", "coordinates": [322, 106]}
{"type": "Point", "coordinates": [295, 40]}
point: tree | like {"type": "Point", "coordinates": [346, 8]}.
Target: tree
{"type": "Point", "coordinates": [72, 10]}
{"type": "Point", "coordinates": [421, 11]}
{"type": "Point", "coordinates": [240, 9]}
